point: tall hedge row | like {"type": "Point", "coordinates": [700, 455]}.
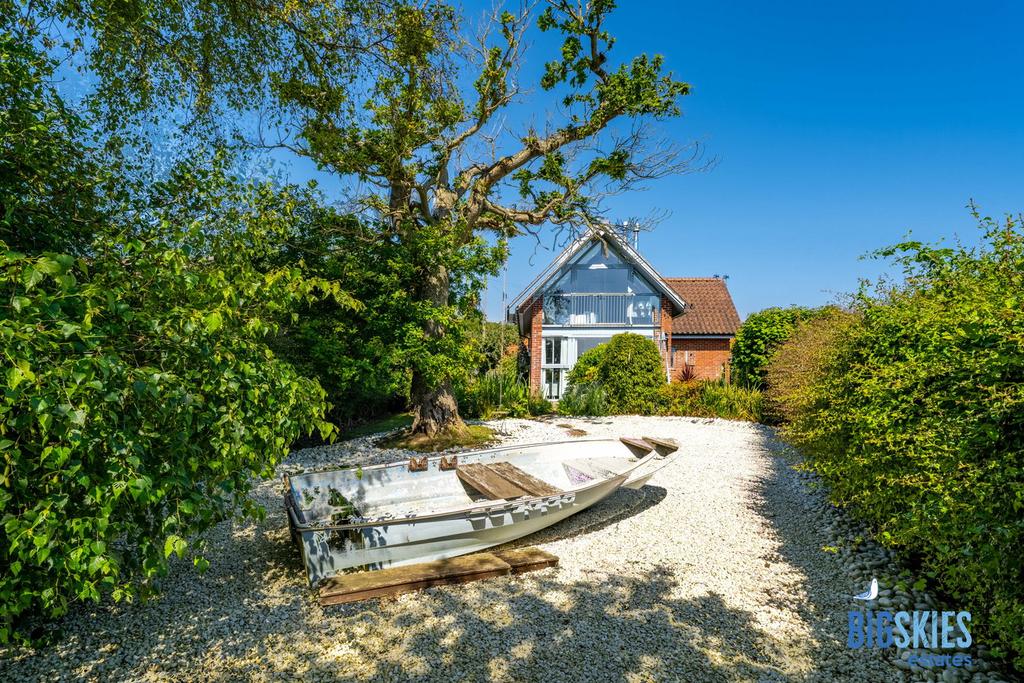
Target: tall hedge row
{"type": "Point", "coordinates": [758, 338]}
{"type": "Point", "coordinates": [914, 415]}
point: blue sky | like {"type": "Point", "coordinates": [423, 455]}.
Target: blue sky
{"type": "Point", "coordinates": [836, 129]}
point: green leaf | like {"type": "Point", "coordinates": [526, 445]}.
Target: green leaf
{"type": "Point", "coordinates": [213, 321]}
{"type": "Point", "coordinates": [174, 545]}
{"type": "Point", "coordinates": [20, 302]}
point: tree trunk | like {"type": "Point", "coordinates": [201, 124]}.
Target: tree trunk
{"type": "Point", "coordinates": [434, 407]}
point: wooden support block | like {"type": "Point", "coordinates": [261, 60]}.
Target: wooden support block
{"type": "Point", "coordinates": [666, 444]}
{"type": "Point", "coordinates": [414, 577]}
{"type": "Point", "coordinates": [488, 482]}
{"type": "Point", "coordinates": [527, 559]}
{"type": "Point", "coordinates": [524, 480]}
{"type": "Point", "coordinates": [637, 445]}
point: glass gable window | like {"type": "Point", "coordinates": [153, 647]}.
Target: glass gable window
{"type": "Point", "coordinates": [599, 288]}
{"type": "Point", "coordinates": [595, 272]}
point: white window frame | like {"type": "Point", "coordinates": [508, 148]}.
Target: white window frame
{"type": "Point", "coordinates": [567, 358]}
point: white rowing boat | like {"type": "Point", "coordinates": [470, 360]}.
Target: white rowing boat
{"type": "Point", "coordinates": [432, 508]}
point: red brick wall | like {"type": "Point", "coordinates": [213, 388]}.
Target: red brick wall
{"type": "Point", "coordinates": [534, 343]}
{"type": "Point", "coordinates": [710, 356]}
{"type": "Point", "coordinates": [666, 327]}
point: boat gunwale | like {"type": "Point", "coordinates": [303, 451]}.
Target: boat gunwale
{"type": "Point", "coordinates": [489, 506]}
{"type": "Point", "coordinates": [432, 458]}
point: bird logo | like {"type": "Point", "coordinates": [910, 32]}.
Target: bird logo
{"type": "Point", "coordinates": [871, 592]}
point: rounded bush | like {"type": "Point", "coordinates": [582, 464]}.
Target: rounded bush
{"type": "Point", "coordinates": [632, 373]}
{"type": "Point", "coordinates": [585, 370]}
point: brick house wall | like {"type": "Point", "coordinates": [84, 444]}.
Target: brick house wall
{"type": "Point", "coordinates": [535, 310]}
{"type": "Point", "coordinates": [710, 357]}
{"type": "Point", "coordinates": [666, 330]}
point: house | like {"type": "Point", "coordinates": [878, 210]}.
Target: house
{"type": "Point", "coordinates": [600, 286]}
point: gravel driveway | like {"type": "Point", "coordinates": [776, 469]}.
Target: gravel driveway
{"type": "Point", "coordinates": [714, 571]}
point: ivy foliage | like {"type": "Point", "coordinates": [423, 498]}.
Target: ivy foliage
{"type": "Point", "coordinates": [914, 415]}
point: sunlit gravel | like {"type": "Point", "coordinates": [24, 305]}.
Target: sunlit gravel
{"type": "Point", "coordinates": [715, 571]}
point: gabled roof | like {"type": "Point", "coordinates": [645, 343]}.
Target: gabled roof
{"type": "Point", "coordinates": [710, 309]}
{"type": "Point", "coordinates": [613, 240]}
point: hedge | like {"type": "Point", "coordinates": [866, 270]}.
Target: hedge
{"type": "Point", "coordinates": [758, 338]}
{"type": "Point", "coordinates": [914, 416]}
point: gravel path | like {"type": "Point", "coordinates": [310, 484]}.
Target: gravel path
{"type": "Point", "coordinates": [714, 571]}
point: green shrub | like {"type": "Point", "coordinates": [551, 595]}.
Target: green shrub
{"type": "Point", "coordinates": [500, 392]}
{"type": "Point", "coordinates": [758, 337]}
{"type": "Point", "coordinates": [365, 356]}
{"type": "Point", "coordinates": [631, 372]}
{"type": "Point", "coordinates": [140, 401]}
{"type": "Point", "coordinates": [712, 398]}
{"type": "Point", "coordinates": [587, 398]}
{"type": "Point", "coordinates": [539, 405]}
{"type": "Point", "coordinates": [494, 394]}
{"type": "Point", "coordinates": [140, 398]}
{"type": "Point", "coordinates": [586, 368]}
{"type": "Point", "coordinates": [795, 366]}
{"type": "Point", "coordinates": [916, 421]}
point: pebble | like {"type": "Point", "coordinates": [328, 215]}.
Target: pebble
{"type": "Point", "coordinates": [714, 571]}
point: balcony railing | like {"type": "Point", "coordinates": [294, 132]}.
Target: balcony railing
{"type": "Point", "coordinates": [580, 310]}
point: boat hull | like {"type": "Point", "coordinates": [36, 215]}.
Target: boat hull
{"type": "Point", "coordinates": [327, 552]}
{"type": "Point", "coordinates": [641, 475]}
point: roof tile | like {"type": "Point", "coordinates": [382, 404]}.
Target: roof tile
{"type": "Point", "coordinates": [709, 306]}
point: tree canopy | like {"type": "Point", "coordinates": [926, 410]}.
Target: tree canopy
{"type": "Point", "coordinates": [408, 103]}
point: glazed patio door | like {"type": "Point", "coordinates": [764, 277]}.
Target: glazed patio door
{"type": "Point", "coordinates": [559, 356]}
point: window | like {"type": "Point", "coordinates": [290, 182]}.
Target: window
{"type": "Point", "coordinates": [584, 344]}
{"type": "Point", "coordinates": [552, 383]}
{"type": "Point", "coordinates": [553, 351]}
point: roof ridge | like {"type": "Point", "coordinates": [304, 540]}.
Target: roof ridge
{"type": "Point", "coordinates": [712, 279]}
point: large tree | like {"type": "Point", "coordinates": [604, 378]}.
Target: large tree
{"type": "Point", "coordinates": [416, 110]}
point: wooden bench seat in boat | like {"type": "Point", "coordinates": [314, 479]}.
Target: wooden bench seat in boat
{"type": "Point", "coordinates": [503, 480]}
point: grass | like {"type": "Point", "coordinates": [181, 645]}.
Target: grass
{"type": "Point", "coordinates": [466, 436]}
{"type": "Point", "coordinates": [707, 398]}
{"type": "Point", "coordinates": [384, 424]}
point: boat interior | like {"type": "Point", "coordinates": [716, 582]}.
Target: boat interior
{"type": "Point", "coordinates": [440, 484]}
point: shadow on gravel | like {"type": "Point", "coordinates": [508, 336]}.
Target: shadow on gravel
{"type": "Point", "coordinates": [817, 591]}
{"type": "Point", "coordinates": [620, 505]}
{"type": "Point", "coordinates": [609, 628]}
{"type": "Point", "coordinates": [252, 617]}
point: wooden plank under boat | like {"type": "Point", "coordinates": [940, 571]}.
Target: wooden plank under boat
{"type": "Point", "coordinates": [405, 513]}
{"type": "Point", "coordinates": [406, 579]}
